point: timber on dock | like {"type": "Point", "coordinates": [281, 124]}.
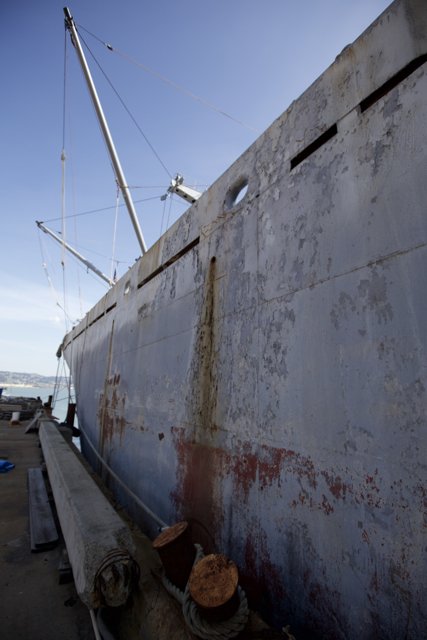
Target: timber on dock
{"type": "Point", "coordinates": [33, 603]}
{"type": "Point", "coordinates": [43, 531]}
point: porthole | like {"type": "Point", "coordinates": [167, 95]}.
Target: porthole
{"type": "Point", "coordinates": [236, 193]}
{"type": "Point", "coordinates": [127, 288]}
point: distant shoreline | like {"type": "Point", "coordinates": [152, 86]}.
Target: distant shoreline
{"type": "Point", "coordinates": [41, 385]}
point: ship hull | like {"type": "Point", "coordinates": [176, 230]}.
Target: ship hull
{"type": "Point", "coordinates": [260, 372]}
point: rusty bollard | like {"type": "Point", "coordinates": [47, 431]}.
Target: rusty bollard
{"type": "Point", "coordinates": [176, 552]}
{"type": "Point", "coordinates": [213, 587]}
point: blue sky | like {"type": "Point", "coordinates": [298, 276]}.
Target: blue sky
{"type": "Point", "coordinates": [249, 58]}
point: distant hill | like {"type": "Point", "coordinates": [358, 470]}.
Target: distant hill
{"type": "Point", "coordinates": [33, 379]}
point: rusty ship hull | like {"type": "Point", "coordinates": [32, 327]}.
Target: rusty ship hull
{"type": "Point", "coordinates": [260, 372]}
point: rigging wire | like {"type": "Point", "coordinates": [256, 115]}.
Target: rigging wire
{"type": "Point", "coordinates": [86, 213]}
{"type": "Point", "coordinates": [127, 110]}
{"type": "Point", "coordinates": [169, 213]}
{"type": "Point", "coordinates": [63, 240]}
{"type": "Point", "coordinates": [63, 158]}
{"type": "Point", "coordinates": [173, 84]}
{"type": "Point", "coordinates": [63, 235]}
{"type": "Point", "coordinates": [67, 120]}
{"type": "Point", "coordinates": [62, 379]}
{"type": "Point", "coordinates": [163, 217]}
{"type": "Point", "coordinates": [49, 279]}
{"type": "Point", "coordinates": [139, 186]}
{"type": "Point", "coordinates": [57, 383]}
{"type": "Point", "coordinates": [64, 90]}
{"type": "Point", "coordinates": [113, 250]}
{"type": "Point", "coordinates": [79, 288]}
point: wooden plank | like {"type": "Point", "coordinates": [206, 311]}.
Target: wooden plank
{"type": "Point", "coordinates": [43, 531]}
{"type": "Point", "coordinates": [34, 426]}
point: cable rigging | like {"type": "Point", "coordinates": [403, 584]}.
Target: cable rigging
{"type": "Point", "coordinates": [173, 84]}
{"type": "Point", "coordinates": [176, 186]}
{"type": "Point", "coordinates": [109, 208]}
{"type": "Point", "coordinates": [50, 283]}
{"type": "Point", "coordinates": [132, 117]}
{"type": "Point", "coordinates": [113, 272]}
{"type": "Point", "coordinates": [63, 159]}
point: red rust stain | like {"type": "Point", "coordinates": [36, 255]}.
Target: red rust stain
{"type": "Point", "coordinates": [111, 411]}
{"type": "Point", "coordinates": [303, 499]}
{"type": "Point", "coordinates": [326, 506]}
{"type": "Point", "coordinates": [195, 496]}
{"type": "Point", "coordinates": [399, 574]}
{"type": "Point", "coordinates": [198, 498]}
{"type": "Point", "coordinates": [259, 577]}
{"type": "Point", "coordinates": [367, 492]}
{"type": "Point", "coordinates": [375, 583]}
{"type": "Point", "coordinates": [336, 486]}
{"type": "Point", "coordinates": [266, 465]}
{"type": "Point", "coordinates": [104, 418]}
{"type": "Point", "coordinates": [421, 493]}
{"type": "Point", "coordinates": [247, 467]}
{"type": "Point", "coordinates": [325, 603]}
{"type": "Point", "coordinates": [252, 467]}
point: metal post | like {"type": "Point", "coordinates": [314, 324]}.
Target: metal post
{"type": "Point", "coordinates": [121, 180]}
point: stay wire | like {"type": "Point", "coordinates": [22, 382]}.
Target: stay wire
{"type": "Point", "coordinates": [127, 110]}
{"type": "Point", "coordinates": [163, 217]}
{"type": "Point", "coordinates": [64, 89]}
{"type": "Point", "coordinates": [49, 279]}
{"type": "Point", "coordinates": [63, 182]}
{"type": "Point", "coordinates": [86, 213]}
{"type": "Point", "coordinates": [169, 213]}
{"type": "Point", "coordinates": [63, 234]}
{"type": "Point", "coordinates": [57, 383]}
{"type": "Point", "coordinates": [67, 134]}
{"type": "Point", "coordinates": [173, 84]}
{"type": "Point", "coordinates": [113, 249]}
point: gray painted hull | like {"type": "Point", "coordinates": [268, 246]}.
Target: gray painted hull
{"type": "Point", "coordinates": [261, 372]}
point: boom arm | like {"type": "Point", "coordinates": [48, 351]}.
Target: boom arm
{"type": "Point", "coordinates": [75, 253]}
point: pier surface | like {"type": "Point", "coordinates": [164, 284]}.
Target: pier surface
{"type": "Point", "coordinates": [32, 602]}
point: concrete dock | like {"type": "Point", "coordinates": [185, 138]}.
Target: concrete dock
{"type": "Point", "coordinates": [32, 602]}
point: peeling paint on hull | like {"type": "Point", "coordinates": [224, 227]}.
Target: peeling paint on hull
{"type": "Point", "coordinates": [261, 371]}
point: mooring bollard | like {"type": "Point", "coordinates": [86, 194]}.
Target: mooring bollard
{"type": "Point", "coordinates": [176, 552]}
{"type": "Point", "coordinates": [213, 587]}
{"type": "Point", "coordinates": [15, 418]}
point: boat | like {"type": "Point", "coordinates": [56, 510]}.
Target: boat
{"type": "Point", "coordinates": [260, 371]}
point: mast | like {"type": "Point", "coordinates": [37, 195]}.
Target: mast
{"type": "Point", "coordinates": [75, 253]}
{"type": "Point", "coordinates": [121, 180]}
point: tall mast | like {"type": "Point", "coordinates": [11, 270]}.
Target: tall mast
{"type": "Point", "coordinates": [121, 180]}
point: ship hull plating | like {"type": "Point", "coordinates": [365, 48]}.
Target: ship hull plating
{"type": "Point", "coordinates": [260, 372]}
